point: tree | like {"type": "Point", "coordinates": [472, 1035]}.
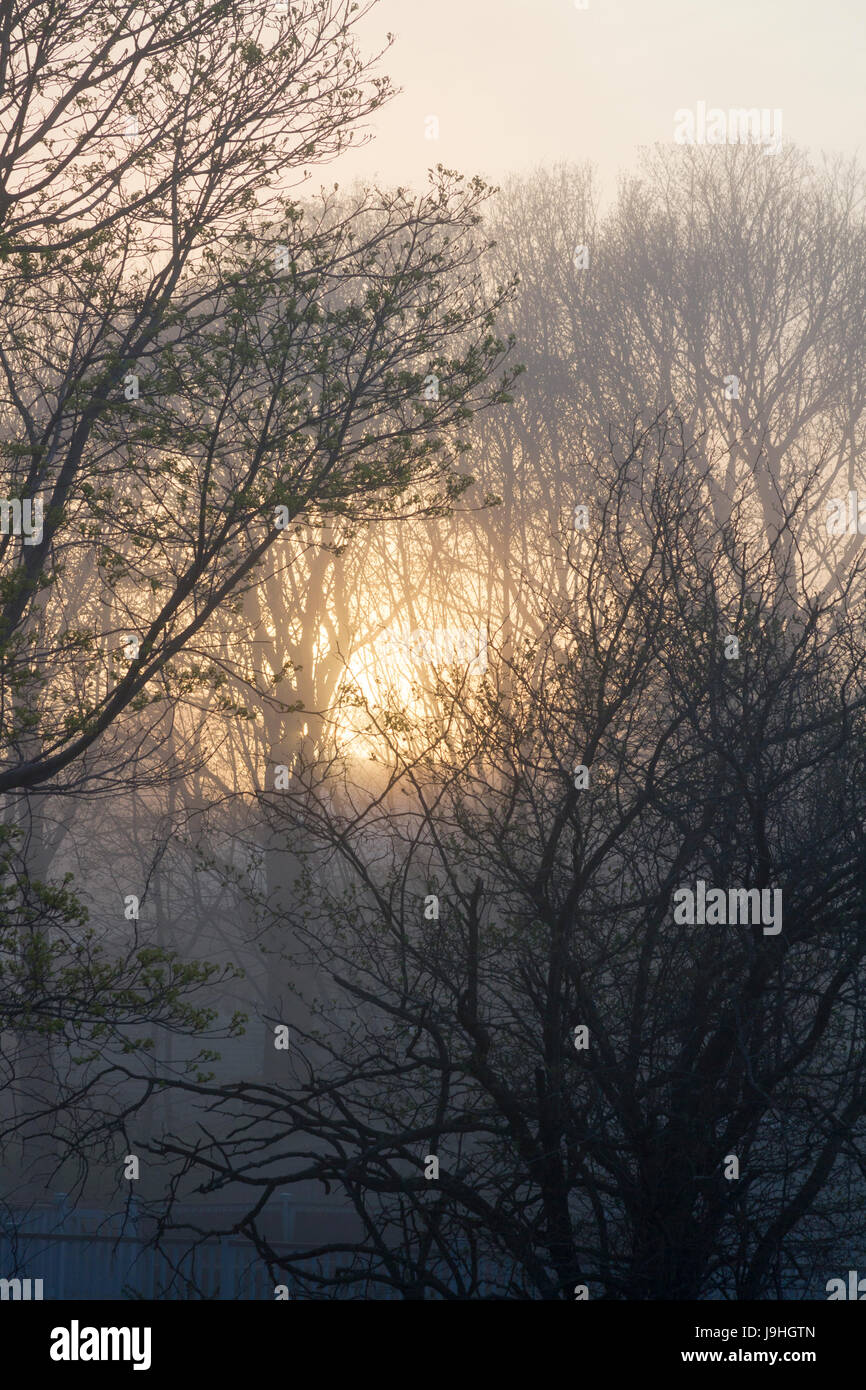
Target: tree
{"type": "Point", "coordinates": [182, 386]}
{"type": "Point", "coordinates": [196, 363]}
{"type": "Point", "coordinates": [73, 1004]}
{"type": "Point", "coordinates": [517, 987]}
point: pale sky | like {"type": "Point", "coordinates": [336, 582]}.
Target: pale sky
{"type": "Point", "coordinates": [515, 83]}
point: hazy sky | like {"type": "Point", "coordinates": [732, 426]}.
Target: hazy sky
{"type": "Point", "coordinates": [519, 82]}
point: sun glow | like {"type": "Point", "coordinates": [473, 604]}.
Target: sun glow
{"type": "Point", "coordinates": [394, 685]}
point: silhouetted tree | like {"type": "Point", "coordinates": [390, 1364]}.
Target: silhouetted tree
{"type": "Point", "coordinates": [488, 901]}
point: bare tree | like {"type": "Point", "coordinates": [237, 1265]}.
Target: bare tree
{"type": "Point", "coordinates": [616, 1095]}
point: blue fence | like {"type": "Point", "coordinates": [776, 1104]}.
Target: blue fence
{"type": "Point", "coordinates": [87, 1254]}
